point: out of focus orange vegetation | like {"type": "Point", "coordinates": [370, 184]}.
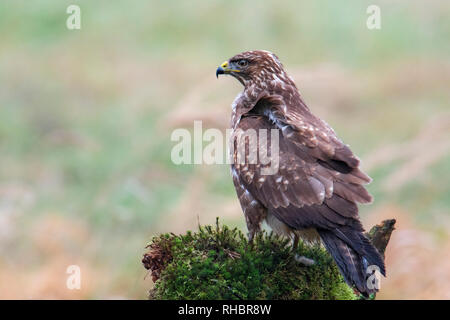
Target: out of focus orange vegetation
{"type": "Point", "coordinates": [417, 259]}
{"type": "Point", "coordinates": [42, 272]}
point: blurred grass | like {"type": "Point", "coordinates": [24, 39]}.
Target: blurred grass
{"type": "Point", "coordinates": [86, 117]}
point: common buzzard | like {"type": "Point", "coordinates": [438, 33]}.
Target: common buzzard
{"type": "Point", "coordinates": [314, 192]}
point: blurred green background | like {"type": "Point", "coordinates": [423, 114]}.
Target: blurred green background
{"type": "Point", "coordinates": [86, 117]}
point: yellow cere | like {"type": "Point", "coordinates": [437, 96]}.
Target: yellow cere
{"type": "Point", "coordinates": [225, 67]}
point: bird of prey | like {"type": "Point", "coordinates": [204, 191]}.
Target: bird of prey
{"type": "Point", "coordinates": [314, 192]}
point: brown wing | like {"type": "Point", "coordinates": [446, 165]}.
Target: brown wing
{"type": "Point", "coordinates": [318, 182]}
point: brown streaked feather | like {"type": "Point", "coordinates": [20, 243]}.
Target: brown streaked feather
{"type": "Point", "coordinates": [301, 179]}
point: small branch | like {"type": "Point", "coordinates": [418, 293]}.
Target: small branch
{"type": "Point", "coordinates": [380, 235]}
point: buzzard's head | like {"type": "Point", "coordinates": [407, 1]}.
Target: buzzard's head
{"type": "Point", "coordinates": [253, 67]}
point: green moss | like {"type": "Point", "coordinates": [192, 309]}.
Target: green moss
{"type": "Point", "coordinates": [219, 263]}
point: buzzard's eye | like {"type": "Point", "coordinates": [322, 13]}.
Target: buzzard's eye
{"type": "Point", "coordinates": [242, 63]}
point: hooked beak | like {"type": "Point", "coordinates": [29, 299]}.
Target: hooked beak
{"type": "Point", "coordinates": [224, 68]}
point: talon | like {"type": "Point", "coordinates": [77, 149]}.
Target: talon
{"type": "Point", "coordinates": [304, 260]}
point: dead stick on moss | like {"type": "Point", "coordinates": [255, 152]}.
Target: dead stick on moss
{"type": "Point", "coordinates": [380, 235]}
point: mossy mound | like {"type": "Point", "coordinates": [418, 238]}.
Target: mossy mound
{"type": "Point", "coordinates": [219, 263]}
